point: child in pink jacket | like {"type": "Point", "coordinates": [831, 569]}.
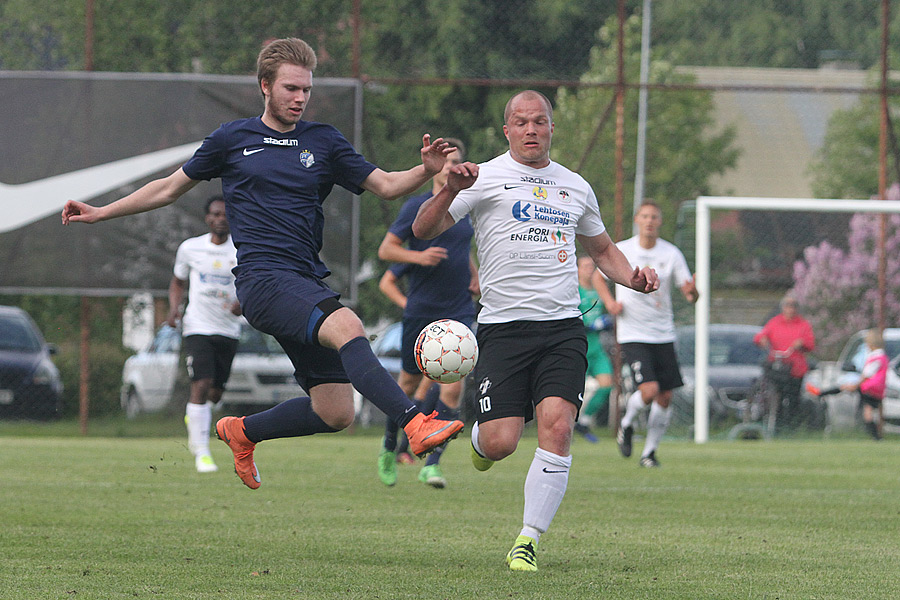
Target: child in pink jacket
{"type": "Point", "coordinates": [871, 384]}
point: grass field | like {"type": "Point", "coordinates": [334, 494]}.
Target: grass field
{"type": "Point", "coordinates": [112, 517]}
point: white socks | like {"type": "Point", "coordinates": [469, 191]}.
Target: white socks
{"type": "Point", "coordinates": [545, 487]}
{"type": "Point", "coordinates": [198, 418]}
{"type": "Point", "coordinates": [475, 443]}
{"type": "Point", "coordinates": [633, 406]}
{"type": "Point", "coordinates": [657, 423]}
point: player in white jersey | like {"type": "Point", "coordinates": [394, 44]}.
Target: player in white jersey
{"type": "Point", "coordinates": [211, 325]}
{"type": "Point", "coordinates": [645, 330]}
{"type": "Point", "coordinates": [527, 212]}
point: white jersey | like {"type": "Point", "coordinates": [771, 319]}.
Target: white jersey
{"type": "Point", "coordinates": [525, 222]}
{"type": "Point", "coordinates": [207, 268]}
{"type": "Point", "coordinates": [648, 317]}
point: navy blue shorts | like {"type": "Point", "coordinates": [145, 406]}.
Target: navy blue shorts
{"type": "Point", "coordinates": [291, 306]}
{"type": "Point", "coordinates": [412, 327]}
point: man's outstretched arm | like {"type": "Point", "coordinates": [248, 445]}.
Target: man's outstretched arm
{"type": "Point", "coordinates": [157, 193]}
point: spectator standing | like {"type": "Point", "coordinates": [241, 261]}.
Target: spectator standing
{"type": "Point", "coordinates": [787, 337]}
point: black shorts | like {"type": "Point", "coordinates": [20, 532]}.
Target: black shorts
{"type": "Point", "coordinates": [868, 400]}
{"type": "Point", "coordinates": [210, 357]}
{"type": "Point", "coordinates": [653, 362]}
{"type": "Point", "coordinates": [522, 362]}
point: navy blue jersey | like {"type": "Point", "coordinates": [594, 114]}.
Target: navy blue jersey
{"type": "Point", "coordinates": [441, 291]}
{"type": "Point", "coordinates": [274, 185]}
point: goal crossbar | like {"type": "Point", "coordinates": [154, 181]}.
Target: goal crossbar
{"type": "Point", "coordinates": [704, 205]}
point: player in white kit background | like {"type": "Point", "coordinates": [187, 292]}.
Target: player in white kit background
{"type": "Point", "coordinates": [211, 326]}
{"type": "Point", "coordinates": [527, 212]}
{"type": "Point", "coordinates": [645, 331]}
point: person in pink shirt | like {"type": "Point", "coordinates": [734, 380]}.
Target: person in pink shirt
{"type": "Point", "coordinates": [871, 384]}
{"type": "Point", "coordinates": [788, 337]}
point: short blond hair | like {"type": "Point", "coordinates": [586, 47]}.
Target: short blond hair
{"type": "Point", "coordinates": [292, 51]}
{"type": "Point", "coordinates": [874, 339]}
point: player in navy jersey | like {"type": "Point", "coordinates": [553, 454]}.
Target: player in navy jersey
{"type": "Point", "coordinates": [276, 172]}
{"type": "Point", "coordinates": [441, 278]}
{"type": "Point", "coordinates": [527, 212]}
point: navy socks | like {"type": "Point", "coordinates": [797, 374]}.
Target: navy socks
{"type": "Point", "coordinates": [372, 381]}
{"type": "Point", "coordinates": [291, 418]}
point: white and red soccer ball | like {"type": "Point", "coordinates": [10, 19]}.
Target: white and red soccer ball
{"type": "Point", "coordinates": [446, 351]}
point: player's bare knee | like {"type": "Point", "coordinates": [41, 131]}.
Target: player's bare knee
{"type": "Point", "coordinates": [340, 421]}
{"type": "Point", "coordinates": [649, 392]}
{"type": "Point", "coordinates": [499, 447]}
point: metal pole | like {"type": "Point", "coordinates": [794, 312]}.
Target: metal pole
{"type": "Point", "coordinates": [642, 113]}
{"type": "Point", "coordinates": [620, 121]}
{"type": "Point", "coordinates": [882, 167]}
{"type": "Point", "coordinates": [84, 374]}
{"type": "Point", "coordinates": [357, 18]}
{"type": "Point", "coordinates": [88, 35]}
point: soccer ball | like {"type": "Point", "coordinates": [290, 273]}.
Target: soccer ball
{"type": "Point", "coordinates": [446, 351]}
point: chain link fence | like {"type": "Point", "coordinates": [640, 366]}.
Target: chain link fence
{"type": "Point", "coordinates": [663, 100]}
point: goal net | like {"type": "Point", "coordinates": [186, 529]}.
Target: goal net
{"type": "Point", "coordinates": [825, 252]}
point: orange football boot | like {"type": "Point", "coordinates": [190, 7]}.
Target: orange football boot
{"type": "Point", "coordinates": [427, 433]}
{"type": "Point", "coordinates": [231, 431]}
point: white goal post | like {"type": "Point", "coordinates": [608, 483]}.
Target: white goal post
{"type": "Point", "coordinates": [704, 205]}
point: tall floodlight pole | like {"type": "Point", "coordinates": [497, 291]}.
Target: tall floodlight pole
{"type": "Point", "coordinates": [642, 113]}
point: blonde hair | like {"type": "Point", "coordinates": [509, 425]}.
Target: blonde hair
{"type": "Point", "coordinates": [292, 51]}
{"type": "Point", "coordinates": [874, 339]}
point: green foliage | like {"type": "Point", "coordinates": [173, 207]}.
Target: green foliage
{"type": "Point", "coordinates": [105, 518]}
{"type": "Point", "coordinates": [846, 166]}
{"type": "Point", "coordinates": [682, 150]}
{"type": "Point", "coordinates": [768, 33]}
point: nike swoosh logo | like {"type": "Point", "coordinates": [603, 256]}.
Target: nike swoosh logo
{"type": "Point", "coordinates": [248, 151]}
{"type": "Point", "coordinates": [509, 187]}
{"type": "Point", "coordinates": [546, 471]}
{"type": "Point", "coordinates": [25, 203]}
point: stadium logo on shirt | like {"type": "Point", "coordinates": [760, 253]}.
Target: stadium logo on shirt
{"type": "Point", "coordinates": [539, 193]}
{"type": "Point", "coordinates": [563, 196]}
{"type": "Point", "coordinates": [307, 159]}
{"type": "Point", "coordinates": [520, 213]}
{"type": "Point", "coordinates": [278, 142]}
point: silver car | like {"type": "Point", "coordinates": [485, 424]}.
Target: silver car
{"type": "Point", "coordinates": [843, 408]}
{"type": "Point", "coordinates": [261, 374]}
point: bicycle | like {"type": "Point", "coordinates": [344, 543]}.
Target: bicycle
{"type": "Point", "coordinates": [759, 410]}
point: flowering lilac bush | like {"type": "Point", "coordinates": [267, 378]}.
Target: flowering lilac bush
{"type": "Point", "coordinates": [838, 289]}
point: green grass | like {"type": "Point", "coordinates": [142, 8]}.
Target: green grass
{"type": "Point", "coordinates": [109, 517]}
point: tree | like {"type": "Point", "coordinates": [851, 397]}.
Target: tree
{"type": "Point", "coordinates": [838, 288]}
{"type": "Point", "coordinates": [682, 150]}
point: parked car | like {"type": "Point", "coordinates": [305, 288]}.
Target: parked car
{"type": "Point", "coordinates": [261, 375]}
{"type": "Point", "coordinates": [843, 408]}
{"type": "Point", "coordinates": [735, 364]}
{"type": "Point", "coordinates": [30, 385]}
